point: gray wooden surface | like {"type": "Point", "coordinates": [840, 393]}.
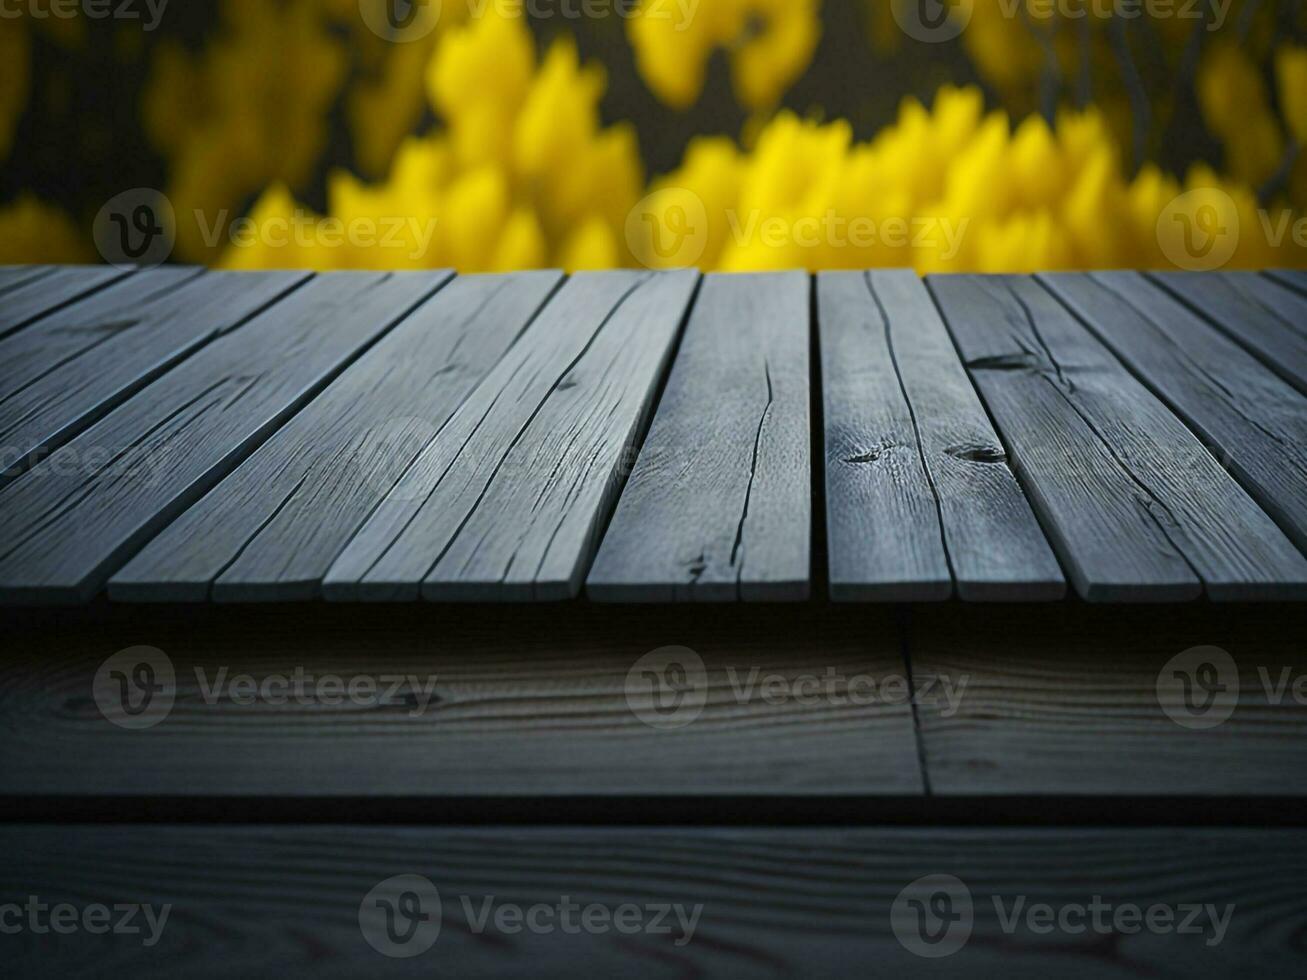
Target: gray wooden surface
{"type": "Point", "coordinates": [27, 297]}
{"type": "Point", "coordinates": [1293, 278]}
{"type": "Point", "coordinates": [75, 365]}
{"type": "Point", "coordinates": [1085, 701]}
{"type": "Point", "coordinates": [12, 276]}
{"type": "Point", "coordinates": [507, 502]}
{"type": "Point", "coordinates": [718, 506]}
{"type": "Point", "coordinates": [765, 902]}
{"type": "Point", "coordinates": [71, 520]}
{"type": "Point", "coordinates": [1267, 318]}
{"type": "Point", "coordinates": [918, 490]}
{"type": "Point", "coordinates": [1254, 421]}
{"type": "Point", "coordinates": [1135, 505]}
{"type": "Point", "coordinates": [469, 704]}
{"type": "Point", "coordinates": [958, 458]}
{"type": "Point", "coordinates": [272, 529]}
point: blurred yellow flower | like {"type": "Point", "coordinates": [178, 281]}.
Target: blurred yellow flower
{"type": "Point", "coordinates": [770, 43]}
{"type": "Point", "coordinates": [262, 89]}
{"type": "Point", "coordinates": [943, 190]}
{"type": "Point", "coordinates": [32, 231]}
{"type": "Point", "coordinates": [1291, 74]}
{"type": "Point", "coordinates": [523, 174]}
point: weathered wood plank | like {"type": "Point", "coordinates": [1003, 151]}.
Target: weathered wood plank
{"type": "Point", "coordinates": [768, 701]}
{"type": "Point", "coordinates": [1255, 422]}
{"type": "Point", "coordinates": [507, 501]}
{"type": "Point", "coordinates": [29, 298]}
{"type": "Point", "coordinates": [1086, 701]}
{"type": "Point", "coordinates": [1135, 505]}
{"type": "Point", "coordinates": [73, 366]}
{"type": "Point", "coordinates": [1267, 319]}
{"type": "Point", "coordinates": [883, 536]}
{"type": "Point", "coordinates": [272, 529]}
{"type": "Point", "coordinates": [718, 507]}
{"type": "Point", "coordinates": [75, 517]}
{"type": "Point", "coordinates": [13, 276]}
{"type": "Point", "coordinates": [658, 902]}
{"type": "Point", "coordinates": [1293, 278]}
{"type": "Point", "coordinates": [918, 490]}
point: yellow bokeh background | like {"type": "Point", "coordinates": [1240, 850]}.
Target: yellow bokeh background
{"type": "Point", "coordinates": [476, 148]}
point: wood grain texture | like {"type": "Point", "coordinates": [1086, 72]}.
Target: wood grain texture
{"type": "Point", "coordinates": [718, 507]}
{"type": "Point", "coordinates": [1267, 319]}
{"type": "Point", "coordinates": [270, 530]}
{"type": "Point", "coordinates": [1136, 507]}
{"type": "Point", "coordinates": [75, 517]}
{"type": "Point", "coordinates": [28, 297]}
{"type": "Point", "coordinates": [529, 706]}
{"type": "Point", "coordinates": [700, 902]}
{"type": "Point", "coordinates": [13, 276]}
{"type": "Point", "coordinates": [1254, 421]}
{"type": "Point", "coordinates": [507, 502]}
{"type": "Point", "coordinates": [1067, 702]}
{"type": "Point", "coordinates": [75, 365]}
{"type": "Point", "coordinates": [918, 491]}
{"type": "Point", "coordinates": [1293, 278]}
